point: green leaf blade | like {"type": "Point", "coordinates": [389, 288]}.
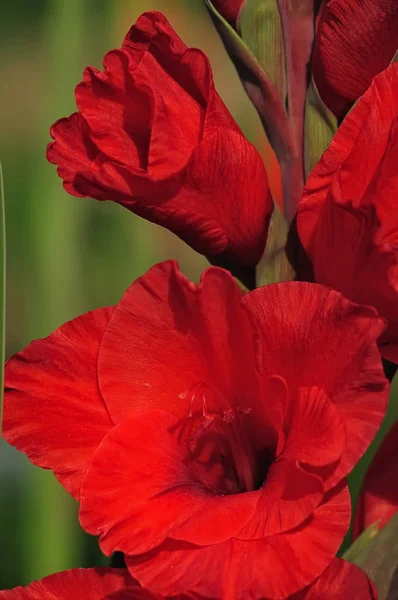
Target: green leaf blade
{"type": "Point", "coordinates": [320, 127]}
{"type": "Point", "coordinates": [378, 558]}
{"type": "Point", "coordinates": [261, 28]}
{"type": "Point", "coordinates": [358, 549]}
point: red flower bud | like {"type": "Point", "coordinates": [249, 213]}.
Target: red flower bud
{"type": "Point", "coordinates": [153, 135]}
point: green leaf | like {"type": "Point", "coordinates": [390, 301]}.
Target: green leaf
{"type": "Point", "coordinates": [358, 548]}
{"type": "Point", "coordinates": [379, 560]}
{"type": "Point", "coordinates": [274, 265]}
{"type": "Point", "coordinates": [271, 110]}
{"type": "Point", "coordinates": [261, 28]}
{"type": "Point", "coordinates": [2, 290]}
{"type": "Point", "coordinates": [257, 84]}
{"type": "Point", "coordinates": [320, 127]}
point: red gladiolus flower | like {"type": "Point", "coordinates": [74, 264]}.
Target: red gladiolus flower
{"type": "Point", "coordinates": [356, 40]}
{"type": "Point", "coordinates": [347, 219]}
{"type": "Point", "coordinates": [229, 9]}
{"type": "Point", "coordinates": [205, 433]}
{"type": "Point", "coordinates": [340, 581]}
{"type": "Point", "coordinates": [153, 135]}
{"type": "Point", "coordinates": [378, 500]}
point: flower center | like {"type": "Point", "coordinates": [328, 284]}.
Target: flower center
{"type": "Point", "coordinates": [220, 453]}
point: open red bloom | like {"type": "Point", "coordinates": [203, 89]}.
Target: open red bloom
{"type": "Point", "coordinates": [378, 500]}
{"type": "Point", "coordinates": [356, 40]}
{"type": "Point", "coordinates": [153, 135]}
{"type": "Point", "coordinates": [348, 218]}
{"type": "Point", "coordinates": [206, 433]}
{"type": "Point", "coordinates": [229, 9]}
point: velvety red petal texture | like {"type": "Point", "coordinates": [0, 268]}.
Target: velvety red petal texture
{"type": "Point", "coordinates": [340, 581]}
{"type": "Point", "coordinates": [90, 584]}
{"type": "Point", "coordinates": [220, 364]}
{"type": "Point", "coordinates": [239, 567]}
{"type": "Point", "coordinates": [170, 337]}
{"type": "Point", "coordinates": [153, 135]}
{"type": "Point", "coordinates": [356, 40]}
{"type": "Point", "coordinates": [347, 220]}
{"type": "Point", "coordinates": [355, 152]}
{"type": "Point", "coordinates": [317, 419]}
{"type": "Point", "coordinates": [53, 410]}
{"type": "Point", "coordinates": [315, 438]}
{"type": "Point", "coordinates": [326, 341]}
{"type": "Point", "coordinates": [229, 9]}
{"type": "Point", "coordinates": [378, 499]}
{"type": "Point", "coordinates": [153, 494]}
{"type": "Point", "coordinates": [215, 427]}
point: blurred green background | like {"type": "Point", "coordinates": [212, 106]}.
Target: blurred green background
{"type": "Point", "coordinates": [67, 255]}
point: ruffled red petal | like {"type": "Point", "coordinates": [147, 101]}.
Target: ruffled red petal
{"type": "Point", "coordinates": [296, 481]}
{"type": "Point", "coordinates": [356, 40]}
{"type": "Point", "coordinates": [354, 263]}
{"type": "Point", "coordinates": [77, 157]}
{"type": "Point", "coordinates": [274, 567]}
{"type": "Point", "coordinates": [134, 124]}
{"type": "Point", "coordinates": [341, 580]}
{"type": "Point", "coordinates": [316, 430]}
{"type": "Point", "coordinates": [167, 335]}
{"type": "Point", "coordinates": [90, 584]}
{"type": "Point", "coordinates": [53, 409]}
{"type": "Point", "coordinates": [347, 220]}
{"type": "Point", "coordinates": [139, 491]}
{"type": "Point", "coordinates": [355, 151]}
{"type": "Point", "coordinates": [326, 341]}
